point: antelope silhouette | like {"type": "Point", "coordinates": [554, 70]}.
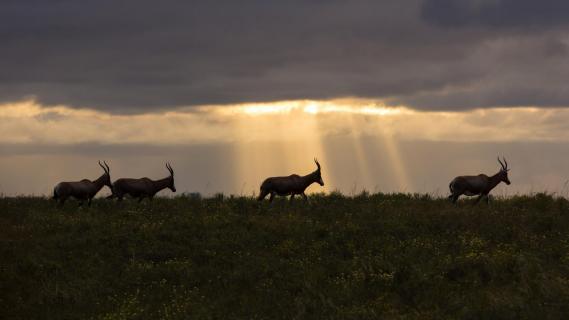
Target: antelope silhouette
{"type": "Point", "coordinates": [479, 185]}
{"type": "Point", "coordinates": [84, 189]}
{"type": "Point", "coordinates": [143, 187]}
{"type": "Point", "coordinates": [290, 185]}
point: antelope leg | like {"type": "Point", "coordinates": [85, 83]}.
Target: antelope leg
{"type": "Point", "coordinates": [478, 199]}
{"type": "Point", "coordinates": [262, 195]}
{"type": "Point", "coordinates": [455, 198]}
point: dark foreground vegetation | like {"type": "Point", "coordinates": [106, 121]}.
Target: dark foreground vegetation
{"type": "Point", "coordinates": [363, 257]}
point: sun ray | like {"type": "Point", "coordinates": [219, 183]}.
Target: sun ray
{"type": "Point", "coordinates": [394, 155]}
{"type": "Point", "coordinates": [312, 147]}
{"type": "Point", "coordinates": [280, 138]}
{"type": "Point", "coordinates": [364, 176]}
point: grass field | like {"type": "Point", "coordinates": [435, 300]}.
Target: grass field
{"type": "Point", "coordinates": [362, 257]}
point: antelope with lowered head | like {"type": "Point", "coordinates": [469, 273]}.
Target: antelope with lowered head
{"type": "Point", "coordinates": [143, 187]}
{"type": "Point", "coordinates": [479, 185]}
{"type": "Point", "coordinates": [291, 185]}
{"type": "Point", "coordinates": [84, 189]}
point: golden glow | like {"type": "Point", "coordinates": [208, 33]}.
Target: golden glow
{"type": "Point", "coordinates": [355, 106]}
{"type": "Point", "coordinates": [264, 108]}
{"type": "Point", "coordinates": [280, 138]}
{"type": "Point", "coordinates": [272, 125]}
{"type": "Point", "coordinates": [397, 163]}
{"type": "Point", "coordinates": [29, 122]}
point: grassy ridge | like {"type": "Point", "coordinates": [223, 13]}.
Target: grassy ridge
{"type": "Point", "coordinates": [369, 256]}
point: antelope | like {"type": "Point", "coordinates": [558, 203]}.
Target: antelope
{"type": "Point", "coordinates": [143, 187]}
{"type": "Point", "coordinates": [480, 185]}
{"type": "Point", "coordinates": [84, 189]}
{"type": "Point", "coordinates": [291, 185]}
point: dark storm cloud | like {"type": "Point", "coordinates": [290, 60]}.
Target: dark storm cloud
{"type": "Point", "coordinates": [497, 13]}
{"type": "Point", "coordinates": [138, 56]}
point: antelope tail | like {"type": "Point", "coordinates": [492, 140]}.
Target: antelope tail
{"type": "Point", "coordinates": [262, 194]}
{"type": "Point", "coordinates": [451, 192]}
{"type": "Point", "coordinates": [54, 194]}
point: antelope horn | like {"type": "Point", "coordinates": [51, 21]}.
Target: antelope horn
{"type": "Point", "coordinates": [169, 167]}
{"type": "Point", "coordinates": [506, 162]}
{"type": "Point", "coordinates": [503, 167]}
{"type": "Point", "coordinates": [104, 169]}
{"type": "Point", "coordinates": [106, 165]}
{"type": "Point", "coordinates": [317, 164]}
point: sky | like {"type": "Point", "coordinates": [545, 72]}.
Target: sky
{"type": "Point", "coordinates": [390, 96]}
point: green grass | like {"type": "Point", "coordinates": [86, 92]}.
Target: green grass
{"type": "Point", "coordinates": [363, 257]}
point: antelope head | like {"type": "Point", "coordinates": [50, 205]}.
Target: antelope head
{"type": "Point", "coordinates": [503, 174]}
{"type": "Point", "coordinates": [107, 175]}
{"type": "Point", "coordinates": [318, 173]}
{"type": "Point", "coordinates": [171, 186]}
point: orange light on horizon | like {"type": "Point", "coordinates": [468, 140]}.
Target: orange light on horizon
{"type": "Point", "coordinates": [312, 107]}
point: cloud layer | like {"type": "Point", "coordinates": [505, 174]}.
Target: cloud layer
{"type": "Point", "coordinates": [137, 56]}
{"type": "Point", "coordinates": [29, 123]}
